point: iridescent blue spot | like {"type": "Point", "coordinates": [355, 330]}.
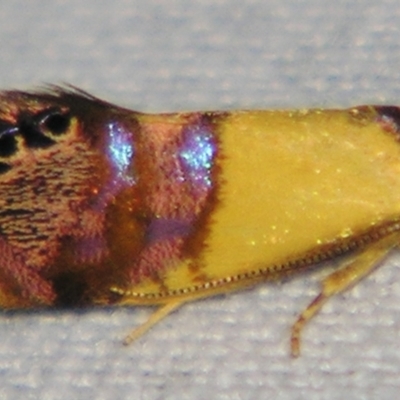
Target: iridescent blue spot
{"type": "Point", "coordinates": [196, 155]}
{"type": "Point", "coordinates": [120, 152]}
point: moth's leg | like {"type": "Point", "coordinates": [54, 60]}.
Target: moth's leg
{"type": "Point", "coordinates": [154, 318]}
{"type": "Point", "coordinates": [341, 280]}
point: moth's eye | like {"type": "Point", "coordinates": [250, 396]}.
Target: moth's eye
{"type": "Point", "coordinates": [55, 122]}
{"type": "Point", "coordinates": [8, 142]}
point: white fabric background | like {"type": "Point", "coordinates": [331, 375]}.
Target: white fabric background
{"type": "Point", "coordinates": [212, 54]}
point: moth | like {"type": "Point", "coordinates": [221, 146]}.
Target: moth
{"type": "Point", "coordinates": [102, 205]}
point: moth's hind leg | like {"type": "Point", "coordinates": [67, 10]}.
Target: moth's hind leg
{"type": "Point", "coordinates": [341, 280]}
{"type": "Point", "coordinates": [154, 318]}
